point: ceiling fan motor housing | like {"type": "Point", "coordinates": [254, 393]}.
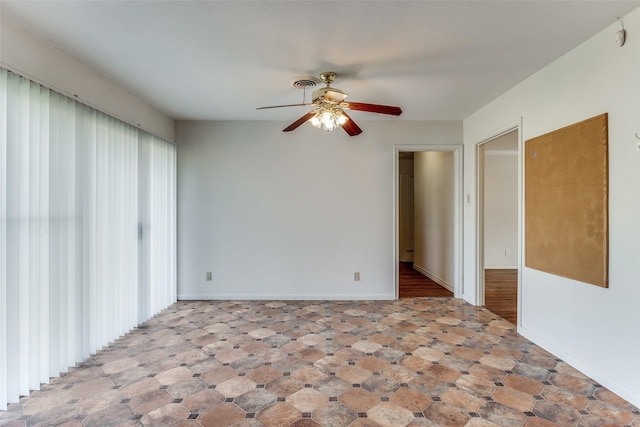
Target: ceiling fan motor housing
{"type": "Point", "coordinates": [328, 93]}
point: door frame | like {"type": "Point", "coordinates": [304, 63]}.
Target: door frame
{"type": "Point", "coordinates": [480, 288]}
{"type": "Point", "coordinates": [457, 151]}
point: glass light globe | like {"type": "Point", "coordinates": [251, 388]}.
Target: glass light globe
{"type": "Point", "coordinates": [328, 118]}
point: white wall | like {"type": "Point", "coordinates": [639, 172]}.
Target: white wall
{"type": "Point", "coordinates": [41, 62]}
{"type": "Point", "coordinates": [595, 329]}
{"type": "Point", "coordinates": [291, 215]}
{"type": "Point", "coordinates": [500, 209]}
{"type": "Point", "coordinates": [434, 216]}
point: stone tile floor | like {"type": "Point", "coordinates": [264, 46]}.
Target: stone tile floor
{"type": "Point", "coordinates": [412, 362]}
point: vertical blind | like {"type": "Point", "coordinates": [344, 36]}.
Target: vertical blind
{"type": "Point", "coordinates": [87, 232]}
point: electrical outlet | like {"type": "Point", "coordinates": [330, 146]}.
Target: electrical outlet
{"type": "Point", "coordinates": [507, 253]}
{"type": "Point", "coordinates": [356, 276]}
{"type": "Point", "coordinates": [209, 276]}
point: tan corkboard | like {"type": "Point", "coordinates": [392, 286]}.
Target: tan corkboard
{"type": "Point", "coordinates": [566, 202]}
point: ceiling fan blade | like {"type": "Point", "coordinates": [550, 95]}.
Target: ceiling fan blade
{"type": "Point", "coordinates": [351, 127]}
{"type": "Point", "coordinates": [287, 105]}
{"type": "Point", "coordinates": [375, 108]}
{"type": "Point", "coordinates": [298, 122]}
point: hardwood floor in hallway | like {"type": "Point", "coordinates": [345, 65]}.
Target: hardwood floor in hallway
{"type": "Point", "coordinates": [501, 289]}
{"type": "Point", "coordinates": [501, 293]}
{"type": "Point", "coordinates": [415, 284]}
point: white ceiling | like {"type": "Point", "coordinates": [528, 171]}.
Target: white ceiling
{"type": "Point", "coordinates": [219, 60]}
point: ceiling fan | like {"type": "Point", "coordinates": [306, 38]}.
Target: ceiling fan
{"type": "Point", "coordinates": [330, 105]}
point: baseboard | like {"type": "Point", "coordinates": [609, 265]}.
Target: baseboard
{"type": "Point", "coordinates": [631, 396]}
{"type": "Point", "coordinates": [287, 297]}
{"type": "Point", "coordinates": [433, 277]}
{"type": "Point", "coordinates": [501, 267]}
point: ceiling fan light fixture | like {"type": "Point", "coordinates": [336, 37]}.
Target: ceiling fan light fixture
{"type": "Point", "coordinates": [328, 118]}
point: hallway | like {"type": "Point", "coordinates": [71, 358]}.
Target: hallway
{"type": "Point", "coordinates": [414, 284]}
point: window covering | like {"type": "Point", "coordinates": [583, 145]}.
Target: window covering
{"type": "Point", "coordinates": [87, 232]}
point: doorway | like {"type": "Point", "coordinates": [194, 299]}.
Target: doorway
{"type": "Point", "coordinates": [427, 244]}
{"type": "Point", "coordinates": [498, 224]}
